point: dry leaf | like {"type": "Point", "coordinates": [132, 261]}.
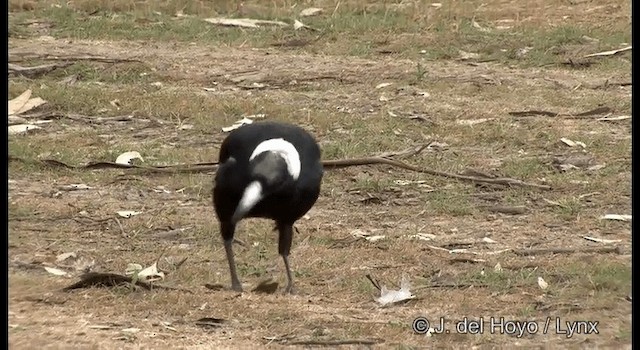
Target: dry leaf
{"type": "Point", "coordinates": [17, 103]}
{"type": "Point", "coordinates": [357, 233]}
{"type": "Point", "coordinates": [22, 128]}
{"type": "Point", "coordinates": [479, 27]}
{"type": "Point", "coordinates": [311, 11]}
{"type": "Point", "coordinates": [128, 213]}
{"type": "Point", "coordinates": [54, 271]}
{"type": "Point", "coordinates": [101, 327]}
{"type": "Point", "coordinates": [84, 264]}
{"type": "Point", "coordinates": [572, 143]}
{"type": "Point", "coordinates": [542, 283]}
{"type": "Point", "coordinates": [131, 330]}
{"type": "Point", "coordinates": [297, 25]}
{"type": "Point", "coordinates": [65, 256]}
{"type": "Point", "coordinates": [420, 183]}
{"type": "Point", "coordinates": [497, 268]}
{"type": "Point", "coordinates": [438, 146]}
{"type": "Point", "coordinates": [596, 167]}
{"type": "Point", "coordinates": [523, 51]}
{"type": "Point", "coordinates": [423, 236]}
{"type": "Point", "coordinates": [618, 217]}
{"type": "Point", "coordinates": [24, 103]}
{"type": "Point", "coordinates": [74, 187]}
{"type": "Point", "coordinates": [488, 240]}
{"type": "Point", "coordinates": [573, 161]}
{"type": "Point", "coordinates": [600, 240]}
{"type": "Point", "coordinates": [126, 157]}
{"type": "Point", "coordinates": [31, 104]}
{"type": "Point", "coordinates": [132, 268]}
{"type": "Point", "coordinates": [467, 55]}
{"type": "Point", "coordinates": [244, 22]}
{"type": "Point", "coordinates": [381, 85]}
{"type": "Point", "coordinates": [151, 273]}
{"type": "Point", "coordinates": [14, 119]}
{"type": "Point", "coordinates": [237, 124]}
{"type": "Point", "coordinates": [471, 122]}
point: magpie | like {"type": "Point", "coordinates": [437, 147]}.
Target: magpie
{"type": "Point", "coordinates": [268, 170]}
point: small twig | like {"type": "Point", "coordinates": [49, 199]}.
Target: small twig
{"type": "Point", "coordinates": [373, 281]}
{"type": "Point", "coordinates": [25, 265]}
{"type": "Point", "coordinates": [336, 342]}
{"type": "Point", "coordinates": [450, 285]}
{"type": "Point", "coordinates": [409, 152]}
{"type": "Point", "coordinates": [599, 250]}
{"type": "Point", "coordinates": [608, 53]}
{"type": "Point", "coordinates": [161, 254]}
{"type": "Point", "coordinates": [466, 260]}
{"type": "Point", "coordinates": [503, 209]}
{"type": "Point", "coordinates": [124, 234]}
{"type": "Point", "coordinates": [589, 113]}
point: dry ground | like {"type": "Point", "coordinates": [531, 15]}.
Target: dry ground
{"type": "Point", "coordinates": [187, 79]}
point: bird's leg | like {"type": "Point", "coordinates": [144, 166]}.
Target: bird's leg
{"type": "Point", "coordinates": [227, 230]}
{"type": "Point", "coordinates": [284, 246]}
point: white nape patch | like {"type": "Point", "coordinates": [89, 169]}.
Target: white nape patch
{"type": "Point", "coordinates": [285, 149]}
{"type": "Point", "coordinates": [251, 196]}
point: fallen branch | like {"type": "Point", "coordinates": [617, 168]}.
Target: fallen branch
{"type": "Point", "coordinates": [171, 169]}
{"type": "Point", "coordinates": [505, 181]}
{"type": "Point", "coordinates": [101, 279]}
{"type": "Point", "coordinates": [599, 250]}
{"type": "Point", "coordinates": [82, 118]}
{"type": "Point", "coordinates": [589, 113]}
{"type": "Point", "coordinates": [328, 164]}
{"type": "Point", "coordinates": [48, 57]}
{"type": "Point", "coordinates": [32, 72]}
{"type": "Point", "coordinates": [335, 342]}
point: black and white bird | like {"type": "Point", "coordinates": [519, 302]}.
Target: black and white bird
{"type": "Point", "coordinates": [266, 170]}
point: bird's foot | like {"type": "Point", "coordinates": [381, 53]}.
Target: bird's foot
{"type": "Point", "coordinates": [289, 290]}
{"type": "Point", "coordinates": [236, 287]}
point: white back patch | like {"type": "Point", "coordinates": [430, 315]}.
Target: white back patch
{"type": "Point", "coordinates": [283, 148]}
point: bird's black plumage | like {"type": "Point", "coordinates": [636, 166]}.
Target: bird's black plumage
{"type": "Point", "coordinates": [286, 195]}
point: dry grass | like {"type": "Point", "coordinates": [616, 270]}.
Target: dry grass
{"type": "Point", "coordinates": [329, 87]}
